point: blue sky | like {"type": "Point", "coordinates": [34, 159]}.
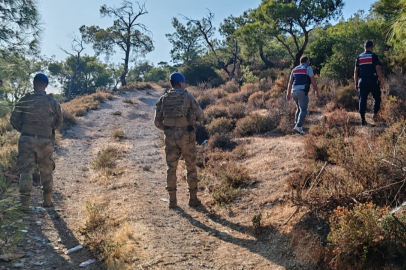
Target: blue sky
{"type": "Point", "coordinates": [62, 18]}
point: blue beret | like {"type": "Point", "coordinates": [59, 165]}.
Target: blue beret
{"type": "Point", "coordinates": [177, 77]}
{"type": "Point", "coordinates": [40, 77]}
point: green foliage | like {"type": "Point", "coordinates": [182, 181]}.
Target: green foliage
{"type": "Point", "coordinates": [187, 43]}
{"type": "Point", "coordinates": [279, 19]}
{"type": "Point", "coordinates": [156, 74]}
{"type": "Point", "coordinates": [86, 77]}
{"type": "Point", "coordinates": [345, 42]}
{"type": "Point", "coordinates": [126, 33]}
{"type": "Point", "coordinates": [199, 73]}
{"type": "Point", "coordinates": [20, 25]}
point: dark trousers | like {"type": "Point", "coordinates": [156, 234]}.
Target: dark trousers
{"type": "Point", "coordinates": [365, 87]}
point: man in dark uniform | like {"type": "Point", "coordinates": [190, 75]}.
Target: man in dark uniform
{"type": "Point", "coordinates": [36, 115]}
{"type": "Point", "coordinates": [368, 79]}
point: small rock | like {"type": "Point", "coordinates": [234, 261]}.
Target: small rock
{"type": "Point", "coordinates": [39, 263]}
{"type": "Point", "coordinates": [29, 254]}
{"type": "Point", "coordinates": [18, 265]}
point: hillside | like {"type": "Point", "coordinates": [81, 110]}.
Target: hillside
{"type": "Point", "coordinates": [132, 199]}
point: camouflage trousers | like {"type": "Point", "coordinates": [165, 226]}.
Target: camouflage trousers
{"type": "Point", "coordinates": [32, 151]}
{"type": "Point", "coordinates": [179, 141]}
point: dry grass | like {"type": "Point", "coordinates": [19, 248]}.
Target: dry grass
{"type": "Point", "coordinates": [118, 134]}
{"type": "Point", "coordinates": [117, 113]}
{"type": "Point", "coordinates": [129, 101]}
{"type": "Point", "coordinates": [113, 241]}
{"type": "Point", "coordinates": [106, 159]}
{"type": "Point", "coordinates": [137, 86]}
{"type": "Point", "coordinates": [80, 105]}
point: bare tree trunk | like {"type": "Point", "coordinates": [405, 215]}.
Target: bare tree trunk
{"type": "Point", "coordinates": [268, 63]}
{"type": "Point", "coordinates": [125, 72]}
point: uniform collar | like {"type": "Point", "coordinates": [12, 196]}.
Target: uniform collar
{"type": "Point", "coordinates": [38, 92]}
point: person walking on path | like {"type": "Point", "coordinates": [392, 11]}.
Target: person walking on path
{"type": "Point", "coordinates": [36, 116]}
{"type": "Point", "coordinates": [177, 112]}
{"type": "Point", "coordinates": [300, 79]}
{"type": "Point", "coordinates": [368, 79]}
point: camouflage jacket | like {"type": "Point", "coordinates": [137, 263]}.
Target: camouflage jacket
{"type": "Point", "coordinates": [37, 113]}
{"type": "Point", "coordinates": [193, 112]}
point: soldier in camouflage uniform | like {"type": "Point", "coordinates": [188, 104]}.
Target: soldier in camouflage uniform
{"type": "Point", "coordinates": [177, 112]}
{"type": "Point", "coordinates": [36, 116]}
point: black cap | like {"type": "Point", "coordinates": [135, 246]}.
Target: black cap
{"type": "Point", "coordinates": [368, 44]}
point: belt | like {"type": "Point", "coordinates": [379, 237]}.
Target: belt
{"type": "Point", "coordinates": [36, 136]}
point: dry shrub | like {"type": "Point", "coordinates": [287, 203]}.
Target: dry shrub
{"type": "Point", "coordinates": [118, 134]}
{"type": "Point", "coordinates": [129, 101]}
{"type": "Point", "coordinates": [258, 100]}
{"type": "Point", "coordinates": [245, 93]}
{"type": "Point", "coordinates": [393, 110]}
{"type": "Point", "coordinates": [253, 124]}
{"type": "Point", "coordinates": [231, 87]}
{"type": "Point", "coordinates": [347, 98]}
{"type": "Point", "coordinates": [164, 84]}
{"type": "Point", "coordinates": [214, 112]}
{"type": "Point", "coordinates": [237, 110]}
{"type": "Point", "coordinates": [117, 113]}
{"type": "Point", "coordinates": [316, 148]}
{"type": "Point", "coordinates": [362, 237]}
{"type": "Point", "coordinates": [106, 159]}
{"type": "Point", "coordinates": [339, 119]}
{"type": "Point", "coordinates": [331, 106]}
{"type": "Point", "coordinates": [68, 120]}
{"type": "Point", "coordinates": [356, 168]}
{"type": "Point", "coordinates": [308, 248]}
{"type": "Point", "coordinates": [219, 93]}
{"type": "Point", "coordinates": [221, 141]}
{"type": "Point", "coordinates": [80, 105]}
{"type": "Point", "coordinates": [282, 114]}
{"type": "Point", "coordinates": [396, 83]}
{"type": "Point", "coordinates": [205, 99]}
{"type": "Point", "coordinates": [239, 152]}
{"type": "Point", "coordinates": [232, 178]}
{"type": "Point", "coordinates": [113, 242]}
{"type": "Point", "coordinates": [136, 86]}
{"type": "Point", "coordinates": [317, 130]}
{"type": "Point", "coordinates": [281, 83]}
{"type": "Point", "coordinates": [220, 125]}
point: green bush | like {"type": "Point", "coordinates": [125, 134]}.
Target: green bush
{"type": "Point", "coordinates": [200, 73]}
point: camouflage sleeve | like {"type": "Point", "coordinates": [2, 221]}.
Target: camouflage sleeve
{"type": "Point", "coordinates": [59, 115]}
{"type": "Point", "coordinates": [16, 115]}
{"type": "Point", "coordinates": [159, 117]}
{"type": "Point", "coordinates": [196, 108]}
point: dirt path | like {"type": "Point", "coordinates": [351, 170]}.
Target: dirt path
{"type": "Point", "coordinates": [184, 238]}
